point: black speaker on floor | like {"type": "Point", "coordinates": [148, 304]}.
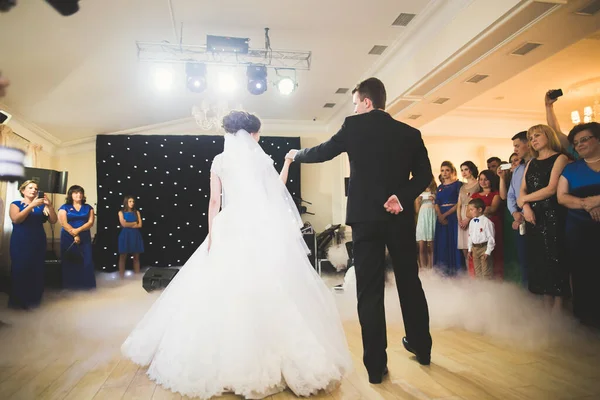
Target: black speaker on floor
{"type": "Point", "coordinates": [53, 273]}
{"type": "Point", "coordinates": [158, 278]}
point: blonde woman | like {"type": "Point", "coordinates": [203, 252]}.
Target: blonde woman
{"type": "Point", "coordinates": [545, 217]}
{"type": "Point", "coordinates": [28, 245]}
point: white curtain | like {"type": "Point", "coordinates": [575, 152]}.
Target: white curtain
{"type": "Point", "coordinates": [9, 191]}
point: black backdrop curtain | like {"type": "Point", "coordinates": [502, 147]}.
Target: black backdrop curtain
{"type": "Point", "coordinates": [170, 178]}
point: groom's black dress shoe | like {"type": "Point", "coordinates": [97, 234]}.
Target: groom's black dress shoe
{"type": "Point", "coordinates": [378, 380]}
{"type": "Point", "coordinates": [423, 359]}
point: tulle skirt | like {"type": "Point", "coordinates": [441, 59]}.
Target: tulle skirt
{"type": "Point", "coordinates": [250, 317]}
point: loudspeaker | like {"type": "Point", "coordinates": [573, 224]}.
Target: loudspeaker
{"type": "Point", "coordinates": [48, 180]}
{"type": "Point", "coordinates": [53, 274]}
{"type": "Point", "coordinates": [158, 278]}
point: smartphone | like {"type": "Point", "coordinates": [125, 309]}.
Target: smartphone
{"type": "Point", "coordinates": [40, 194]}
{"type": "Point", "coordinates": [504, 167]}
{"type": "Point", "coordinates": [555, 94]}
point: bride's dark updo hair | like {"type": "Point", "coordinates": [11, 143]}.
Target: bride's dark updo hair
{"type": "Point", "coordinates": [236, 120]}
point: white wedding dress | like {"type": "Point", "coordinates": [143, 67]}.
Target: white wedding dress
{"type": "Point", "coordinates": [251, 316]}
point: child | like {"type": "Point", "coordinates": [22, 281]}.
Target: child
{"type": "Point", "coordinates": [481, 240]}
{"type": "Point", "coordinates": [424, 206]}
{"type": "Point", "coordinates": [130, 238]}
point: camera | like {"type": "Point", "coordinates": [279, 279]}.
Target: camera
{"type": "Point", "coordinates": [40, 194]}
{"type": "Point", "coordinates": [555, 94]}
{"type": "Point", "coordinates": [504, 167]}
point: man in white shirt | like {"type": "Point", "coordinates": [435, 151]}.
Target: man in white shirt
{"type": "Point", "coordinates": [481, 240]}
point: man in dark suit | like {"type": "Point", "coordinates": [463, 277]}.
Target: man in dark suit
{"type": "Point", "coordinates": [383, 154]}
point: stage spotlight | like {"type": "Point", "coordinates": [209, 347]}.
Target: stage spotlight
{"type": "Point", "coordinates": [286, 86]}
{"type": "Point", "coordinates": [257, 79]}
{"type": "Point", "coordinates": [196, 77]}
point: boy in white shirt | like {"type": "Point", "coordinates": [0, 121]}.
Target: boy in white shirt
{"type": "Point", "coordinates": [481, 240]}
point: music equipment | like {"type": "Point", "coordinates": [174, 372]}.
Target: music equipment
{"type": "Point", "coordinates": [158, 278]}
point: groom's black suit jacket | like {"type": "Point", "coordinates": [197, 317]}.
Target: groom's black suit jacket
{"type": "Point", "coordinates": [383, 154]}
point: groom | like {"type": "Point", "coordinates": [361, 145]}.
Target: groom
{"type": "Point", "coordinates": [383, 154]}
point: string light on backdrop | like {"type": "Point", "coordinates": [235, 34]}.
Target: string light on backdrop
{"type": "Point", "coordinates": [170, 178]}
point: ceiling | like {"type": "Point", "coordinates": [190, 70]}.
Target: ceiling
{"type": "Point", "coordinates": [79, 76]}
{"type": "Point", "coordinates": [568, 56]}
{"type": "Point", "coordinates": [575, 70]}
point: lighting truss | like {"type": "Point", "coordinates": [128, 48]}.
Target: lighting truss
{"type": "Point", "coordinates": [184, 53]}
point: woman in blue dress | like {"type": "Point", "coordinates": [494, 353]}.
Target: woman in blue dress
{"type": "Point", "coordinates": [446, 255]}
{"type": "Point", "coordinates": [28, 246]}
{"type": "Point", "coordinates": [579, 191]}
{"type": "Point", "coordinates": [130, 238]}
{"type": "Point", "coordinates": [76, 218]}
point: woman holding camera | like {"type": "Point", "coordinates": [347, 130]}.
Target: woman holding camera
{"type": "Point", "coordinates": [28, 245]}
{"type": "Point", "coordinates": [76, 218]}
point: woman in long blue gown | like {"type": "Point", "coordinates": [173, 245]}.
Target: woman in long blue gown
{"type": "Point", "coordinates": [28, 246]}
{"type": "Point", "coordinates": [446, 255]}
{"type": "Point", "coordinates": [76, 218]}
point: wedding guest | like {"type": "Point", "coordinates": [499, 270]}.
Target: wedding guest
{"type": "Point", "coordinates": [493, 163]}
{"type": "Point", "coordinates": [481, 240]}
{"type": "Point", "coordinates": [579, 191]}
{"type": "Point", "coordinates": [470, 173]}
{"type": "Point", "coordinates": [446, 255]}
{"type": "Point", "coordinates": [425, 209]}
{"type": "Point", "coordinates": [130, 238]}
{"type": "Point", "coordinates": [545, 230]}
{"type": "Point", "coordinates": [28, 246]}
{"type": "Point", "coordinates": [521, 147]}
{"type": "Point", "coordinates": [488, 193]}
{"type": "Point", "coordinates": [76, 218]}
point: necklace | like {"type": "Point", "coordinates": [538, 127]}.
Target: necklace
{"type": "Point", "coordinates": [592, 161]}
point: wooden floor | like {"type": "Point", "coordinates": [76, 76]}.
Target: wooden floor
{"type": "Point", "coordinates": [464, 366]}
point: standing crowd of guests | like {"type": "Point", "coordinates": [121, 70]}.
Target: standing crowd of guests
{"type": "Point", "coordinates": [534, 219]}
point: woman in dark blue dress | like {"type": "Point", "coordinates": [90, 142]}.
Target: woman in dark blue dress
{"type": "Point", "coordinates": [28, 246]}
{"type": "Point", "coordinates": [579, 191]}
{"type": "Point", "coordinates": [130, 238]}
{"type": "Point", "coordinates": [76, 218]}
{"type": "Point", "coordinates": [446, 255]}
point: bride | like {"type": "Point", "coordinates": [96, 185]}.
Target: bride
{"type": "Point", "coordinates": [247, 313]}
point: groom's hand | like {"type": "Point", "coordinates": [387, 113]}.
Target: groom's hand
{"type": "Point", "coordinates": [291, 154]}
{"type": "Point", "coordinates": [393, 206]}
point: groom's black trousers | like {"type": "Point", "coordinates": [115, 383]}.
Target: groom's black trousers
{"type": "Point", "coordinates": [369, 242]}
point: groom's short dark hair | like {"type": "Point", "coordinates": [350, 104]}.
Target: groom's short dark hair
{"type": "Point", "coordinates": [372, 89]}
